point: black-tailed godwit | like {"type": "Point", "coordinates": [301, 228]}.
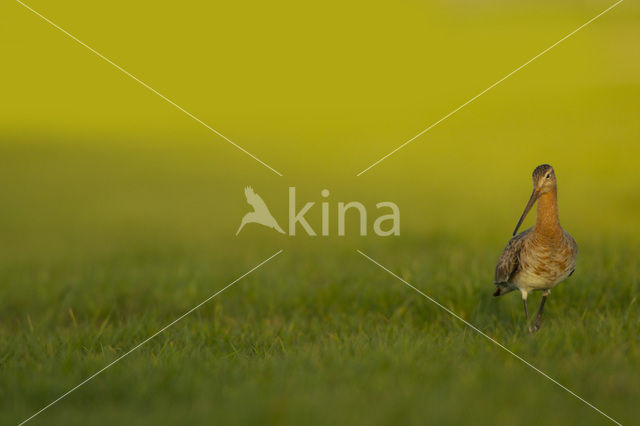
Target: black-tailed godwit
{"type": "Point", "coordinates": [542, 256]}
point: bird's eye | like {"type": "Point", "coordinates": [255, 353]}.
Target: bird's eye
{"type": "Point", "coordinates": [548, 175]}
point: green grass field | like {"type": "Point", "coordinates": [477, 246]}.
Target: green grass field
{"type": "Point", "coordinates": [118, 212]}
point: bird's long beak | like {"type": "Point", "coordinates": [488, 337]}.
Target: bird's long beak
{"type": "Point", "coordinates": [534, 197]}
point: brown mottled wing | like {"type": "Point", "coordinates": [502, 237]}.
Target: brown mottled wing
{"type": "Point", "coordinates": [573, 249]}
{"type": "Point", "coordinates": [510, 259]}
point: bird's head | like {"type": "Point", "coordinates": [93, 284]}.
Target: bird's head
{"type": "Point", "coordinates": [544, 180]}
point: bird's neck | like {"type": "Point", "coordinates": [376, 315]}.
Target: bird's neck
{"type": "Point", "coordinates": [547, 220]}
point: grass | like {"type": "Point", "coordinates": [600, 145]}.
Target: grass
{"type": "Point", "coordinates": [117, 214]}
{"type": "Point", "coordinates": [333, 339]}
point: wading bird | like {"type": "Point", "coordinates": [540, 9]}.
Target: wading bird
{"type": "Point", "coordinates": [541, 256]}
{"type": "Point", "coordinates": [260, 213]}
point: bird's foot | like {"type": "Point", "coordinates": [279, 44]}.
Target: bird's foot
{"type": "Point", "coordinates": [532, 328]}
{"type": "Point", "coordinates": [537, 324]}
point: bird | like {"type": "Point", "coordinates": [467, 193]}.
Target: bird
{"type": "Point", "coordinates": [260, 213]}
{"type": "Point", "coordinates": [538, 258]}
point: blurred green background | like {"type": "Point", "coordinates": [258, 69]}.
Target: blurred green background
{"type": "Point", "coordinates": [118, 212]}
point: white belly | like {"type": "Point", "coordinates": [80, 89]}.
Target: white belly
{"type": "Point", "coordinates": [529, 281]}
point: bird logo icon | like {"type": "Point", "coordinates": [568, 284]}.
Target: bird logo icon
{"type": "Point", "coordinates": [260, 213]}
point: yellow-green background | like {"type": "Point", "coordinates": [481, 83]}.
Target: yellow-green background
{"type": "Point", "coordinates": [95, 169]}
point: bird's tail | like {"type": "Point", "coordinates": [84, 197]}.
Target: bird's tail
{"type": "Point", "coordinates": [277, 227]}
{"type": "Point", "coordinates": [501, 289]}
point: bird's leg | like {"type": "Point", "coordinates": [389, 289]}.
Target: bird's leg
{"type": "Point", "coordinates": [538, 321]}
{"type": "Point", "coordinates": [526, 310]}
